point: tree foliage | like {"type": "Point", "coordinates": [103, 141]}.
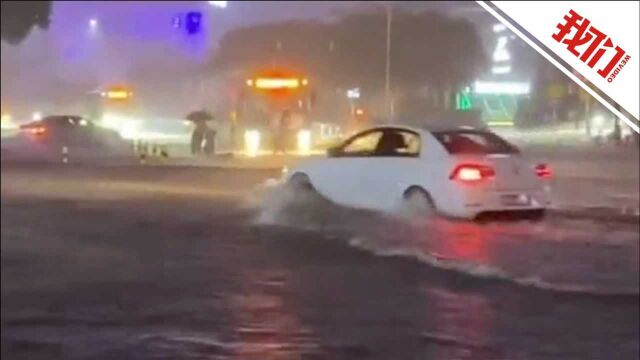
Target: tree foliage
{"type": "Point", "coordinates": [428, 49]}
{"type": "Point", "coordinates": [19, 17]}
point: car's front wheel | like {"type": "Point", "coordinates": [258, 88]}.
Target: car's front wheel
{"type": "Point", "coordinates": [300, 183]}
{"type": "Point", "coordinates": [419, 203]}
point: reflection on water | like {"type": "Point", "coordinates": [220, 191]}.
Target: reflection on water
{"type": "Point", "coordinates": [464, 241]}
{"type": "Point", "coordinates": [264, 327]}
{"type": "Point", "coordinates": [460, 327]}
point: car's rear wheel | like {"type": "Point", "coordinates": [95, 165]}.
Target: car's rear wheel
{"type": "Point", "coordinates": [419, 203]}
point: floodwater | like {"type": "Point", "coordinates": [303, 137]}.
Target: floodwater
{"type": "Point", "coordinates": [193, 263]}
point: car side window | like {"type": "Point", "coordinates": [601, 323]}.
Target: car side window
{"type": "Point", "coordinates": [398, 143]}
{"type": "Point", "coordinates": [413, 143]}
{"type": "Point", "coordinates": [362, 145]}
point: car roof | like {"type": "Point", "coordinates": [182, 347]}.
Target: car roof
{"type": "Point", "coordinates": [427, 129]}
{"type": "Point", "coordinates": [52, 120]}
{"type": "Point", "coordinates": [61, 118]}
{"type": "Point", "coordinates": [392, 127]}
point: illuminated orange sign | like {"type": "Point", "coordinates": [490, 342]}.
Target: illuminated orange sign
{"type": "Point", "coordinates": [275, 83]}
{"type": "Point", "coordinates": [118, 94]}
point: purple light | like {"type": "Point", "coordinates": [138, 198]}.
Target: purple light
{"type": "Point", "coordinates": [193, 22]}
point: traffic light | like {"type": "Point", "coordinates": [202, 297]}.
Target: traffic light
{"type": "Point", "coordinates": [463, 101]}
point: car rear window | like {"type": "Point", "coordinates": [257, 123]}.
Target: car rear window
{"type": "Point", "coordinates": [474, 142]}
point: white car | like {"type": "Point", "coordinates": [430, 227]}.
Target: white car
{"type": "Point", "coordinates": [463, 173]}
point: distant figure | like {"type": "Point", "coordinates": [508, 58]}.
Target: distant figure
{"type": "Point", "coordinates": [210, 142]}
{"type": "Point", "coordinates": [280, 132]}
{"type": "Point", "coordinates": [617, 129]}
{"type": "Point", "coordinates": [202, 137]}
{"type": "Point", "coordinates": [197, 136]}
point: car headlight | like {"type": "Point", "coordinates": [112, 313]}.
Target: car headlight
{"type": "Point", "coordinates": [304, 142]}
{"type": "Point", "coordinates": [252, 142]}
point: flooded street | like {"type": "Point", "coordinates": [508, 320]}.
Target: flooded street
{"type": "Point", "coordinates": [319, 180]}
{"type": "Point", "coordinates": [145, 263]}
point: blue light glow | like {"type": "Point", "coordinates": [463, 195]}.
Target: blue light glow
{"type": "Point", "coordinates": [177, 22]}
{"type": "Point", "coordinates": [193, 23]}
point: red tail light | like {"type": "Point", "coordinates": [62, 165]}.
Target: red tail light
{"type": "Point", "coordinates": [543, 171]}
{"type": "Point", "coordinates": [38, 130]}
{"type": "Point", "coordinates": [472, 172]}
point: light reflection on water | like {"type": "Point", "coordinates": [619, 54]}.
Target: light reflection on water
{"type": "Point", "coordinates": [461, 325]}
{"type": "Point", "coordinates": [264, 326]}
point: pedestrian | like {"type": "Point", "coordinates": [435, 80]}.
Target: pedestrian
{"type": "Point", "coordinates": [281, 131]}
{"type": "Point", "coordinates": [197, 138]}
{"type": "Point", "coordinates": [617, 129]}
{"type": "Point", "coordinates": [210, 142]}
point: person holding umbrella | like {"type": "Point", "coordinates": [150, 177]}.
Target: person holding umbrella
{"type": "Point", "coordinates": [203, 137]}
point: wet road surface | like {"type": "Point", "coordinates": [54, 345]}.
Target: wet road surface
{"type": "Point", "coordinates": [191, 263]}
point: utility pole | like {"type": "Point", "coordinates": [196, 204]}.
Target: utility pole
{"type": "Point", "coordinates": [387, 80]}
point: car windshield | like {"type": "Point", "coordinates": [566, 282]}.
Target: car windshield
{"type": "Point", "coordinates": [474, 142]}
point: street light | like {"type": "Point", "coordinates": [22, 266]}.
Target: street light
{"type": "Point", "coordinates": [353, 93]}
{"type": "Point", "coordinates": [219, 4]}
{"type": "Point", "coordinates": [93, 27]}
{"type": "Point", "coordinates": [387, 80]}
{"type": "Point", "coordinates": [7, 123]}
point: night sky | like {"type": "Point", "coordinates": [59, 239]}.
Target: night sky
{"type": "Point", "coordinates": [136, 36]}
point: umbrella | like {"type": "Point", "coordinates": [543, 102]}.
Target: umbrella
{"type": "Point", "coordinates": [200, 116]}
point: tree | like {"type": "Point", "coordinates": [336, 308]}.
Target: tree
{"type": "Point", "coordinates": [19, 17]}
{"type": "Point", "coordinates": [429, 50]}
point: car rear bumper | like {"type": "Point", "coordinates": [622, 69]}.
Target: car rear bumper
{"type": "Point", "coordinates": [470, 203]}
